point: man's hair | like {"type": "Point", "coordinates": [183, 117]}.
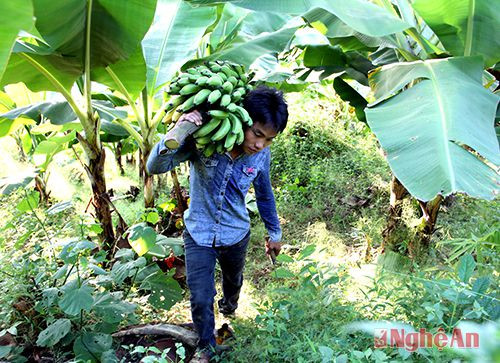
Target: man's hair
{"type": "Point", "coordinates": [267, 105]}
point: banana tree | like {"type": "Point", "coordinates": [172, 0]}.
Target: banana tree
{"type": "Point", "coordinates": [181, 32]}
{"type": "Point", "coordinates": [424, 60]}
{"type": "Point", "coordinates": [55, 44]}
{"type": "Point", "coordinates": [172, 39]}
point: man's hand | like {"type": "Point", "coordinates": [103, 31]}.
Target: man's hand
{"type": "Point", "coordinates": [272, 249]}
{"type": "Point", "coordinates": [193, 117]}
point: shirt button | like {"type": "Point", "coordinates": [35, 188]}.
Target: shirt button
{"type": "Point", "coordinates": [221, 193]}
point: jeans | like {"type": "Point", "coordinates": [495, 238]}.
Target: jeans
{"type": "Point", "coordinates": [200, 268]}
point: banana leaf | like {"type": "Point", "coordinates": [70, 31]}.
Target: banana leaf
{"type": "Point", "coordinates": [438, 134]}
{"type": "Point", "coordinates": [464, 27]}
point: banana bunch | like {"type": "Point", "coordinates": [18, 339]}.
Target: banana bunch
{"type": "Point", "coordinates": [218, 87]}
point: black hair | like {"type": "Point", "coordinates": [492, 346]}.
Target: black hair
{"type": "Point", "coordinates": [267, 105]}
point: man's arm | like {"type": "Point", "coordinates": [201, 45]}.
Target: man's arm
{"type": "Point", "coordinates": [267, 206]}
{"type": "Point", "coordinates": [163, 159]}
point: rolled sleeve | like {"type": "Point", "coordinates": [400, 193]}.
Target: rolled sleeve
{"type": "Point", "coordinates": [266, 203]}
{"type": "Point", "coordinates": [162, 159]}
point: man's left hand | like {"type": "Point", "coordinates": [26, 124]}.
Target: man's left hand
{"type": "Point", "coordinates": [273, 246]}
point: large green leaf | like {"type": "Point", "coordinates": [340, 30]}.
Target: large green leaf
{"type": "Point", "coordinates": [77, 299]}
{"type": "Point", "coordinates": [88, 347]}
{"type": "Point", "coordinates": [54, 333]}
{"type": "Point", "coordinates": [131, 73]}
{"type": "Point", "coordinates": [466, 267]}
{"type": "Point", "coordinates": [173, 39]}
{"type": "Point", "coordinates": [361, 15]}
{"type": "Point", "coordinates": [117, 27]}
{"type": "Point", "coordinates": [331, 60]}
{"type": "Point", "coordinates": [247, 47]}
{"type": "Point", "coordinates": [433, 130]}
{"type": "Point", "coordinates": [465, 27]}
{"type": "Point", "coordinates": [56, 112]}
{"type": "Point", "coordinates": [14, 16]}
{"type": "Point", "coordinates": [142, 238]}
{"type": "Point", "coordinates": [165, 291]}
{"type": "Point", "coordinates": [64, 70]}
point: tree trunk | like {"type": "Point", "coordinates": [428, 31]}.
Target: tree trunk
{"type": "Point", "coordinates": [118, 157]}
{"type": "Point", "coordinates": [398, 192]}
{"type": "Point", "coordinates": [178, 193]}
{"type": "Point", "coordinates": [41, 187]}
{"type": "Point", "coordinates": [430, 212]}
{"type": "Point", "coordinates": [147, 179]}
{"type": "Point", "coordinates": [94, 167]}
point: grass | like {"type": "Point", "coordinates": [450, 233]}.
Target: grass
{"type": "Point", "coordinates": [331, 185]}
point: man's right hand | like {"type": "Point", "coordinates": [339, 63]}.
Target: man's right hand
{"type": "Point", "coordinates": [194, 117]}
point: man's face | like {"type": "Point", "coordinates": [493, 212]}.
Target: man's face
{"type": "Point", "coordinates": [258, 137]}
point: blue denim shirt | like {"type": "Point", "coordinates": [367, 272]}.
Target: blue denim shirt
{"type": "Point", "coordinates": [218, 185]}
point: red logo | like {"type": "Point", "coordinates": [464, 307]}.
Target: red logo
{"type": "Point", "coordinates": [413, 340]}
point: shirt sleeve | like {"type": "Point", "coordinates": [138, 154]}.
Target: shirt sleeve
{"type": "Point", "coordinates": [163, 159]}
{"type": "Point", "coordinates": [265, 201]}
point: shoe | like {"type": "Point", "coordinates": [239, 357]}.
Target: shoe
{"type": "Point", "coordinates": [206, 354]}
{"type": "Point", "coordinates": [224, 310]}
{"type": "Point", "coordinates": [202, 356]}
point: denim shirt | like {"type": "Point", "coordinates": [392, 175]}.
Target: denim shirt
{"type": "Point", "coordinates": [217, 213]}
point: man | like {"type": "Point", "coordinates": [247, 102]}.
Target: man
{"type": "Point", "coordinates": [217, 222]}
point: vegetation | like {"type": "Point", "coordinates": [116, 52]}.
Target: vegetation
{"type": "Point", "coordinates": [391, 125]}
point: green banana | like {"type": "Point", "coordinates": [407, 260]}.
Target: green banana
{"type": "Point", "coordinates": [230, 140]}
{"type": "Point", "coordinates": [214, 67]}
{"type": "Point", "coordinates": [220, 148]}
{"type": "Point", "coordinates": [201, 81]}
{"type": "Point", "coordinates": [222, 130]}
{"type": "Point", "coordinates": [201, 96]}
{"type": "Point", "coordinates": [233, 80]}
{"type": "Point", "coordinates": [218, 114]}
{"type": "Point", "coordinates": [239, 69]}
{"type": "Point", "coordinates": [207, 128]}
{"type": "Point", "coordinates": [215, 81]}
{"type": "Point", "coordinates": [189, 89]}
{"type": "Point", "coordinates": [184, 81]}
{"type": "Point", "coordinates": [244, 115]}
{"type": "Point", "coordinates": [228, 71]}
{"type": "Point", "coordinates": [214, 96]}
{"type": "Point", "coordinates": [223, 76]}
{"type": "Point", "coordinates": [227, 87]}
{"type": "Point", "coordinates": [207, 73]}
{"type": "Point", "coordinates": [174, 102]}
{"type": "Point", "coordinates": [209, 150]}
{"type": "Point", "coordinates": [225, 100]}
{"type": "Point", "coordinates": [236, 96]}
{"type": "Point", "coordinates": [174, 88]}
{"type": "Point", "coordinates": [193, 71]}
{"type": "Point", "coordinates": [203, 140]}
{"type": "Point", "coordinates": [188, 104]}
{"type": "Point", "coordinates": [231, 107]}
{"type": "Point", "coordinates": [236, 125]}
{"type": "Point", "coordinates": [241, 137]}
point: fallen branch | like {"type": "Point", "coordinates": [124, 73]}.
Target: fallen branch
{"type": "Point", "coordinates": [184, 335]}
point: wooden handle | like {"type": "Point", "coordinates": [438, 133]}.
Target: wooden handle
{"type": "Point", "coordinates": [175, 137]}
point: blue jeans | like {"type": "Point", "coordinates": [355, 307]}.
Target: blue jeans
{"type": "Point", "coordinates": [200, 268]}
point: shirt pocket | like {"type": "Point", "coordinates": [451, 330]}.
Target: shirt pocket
{"type": "Point", "coordinates": [247, 175]}
{"type": "Point", "coordinates": [208, 167]}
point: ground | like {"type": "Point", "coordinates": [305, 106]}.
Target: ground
{"type": "Point", "coordinates": [331, 184]}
